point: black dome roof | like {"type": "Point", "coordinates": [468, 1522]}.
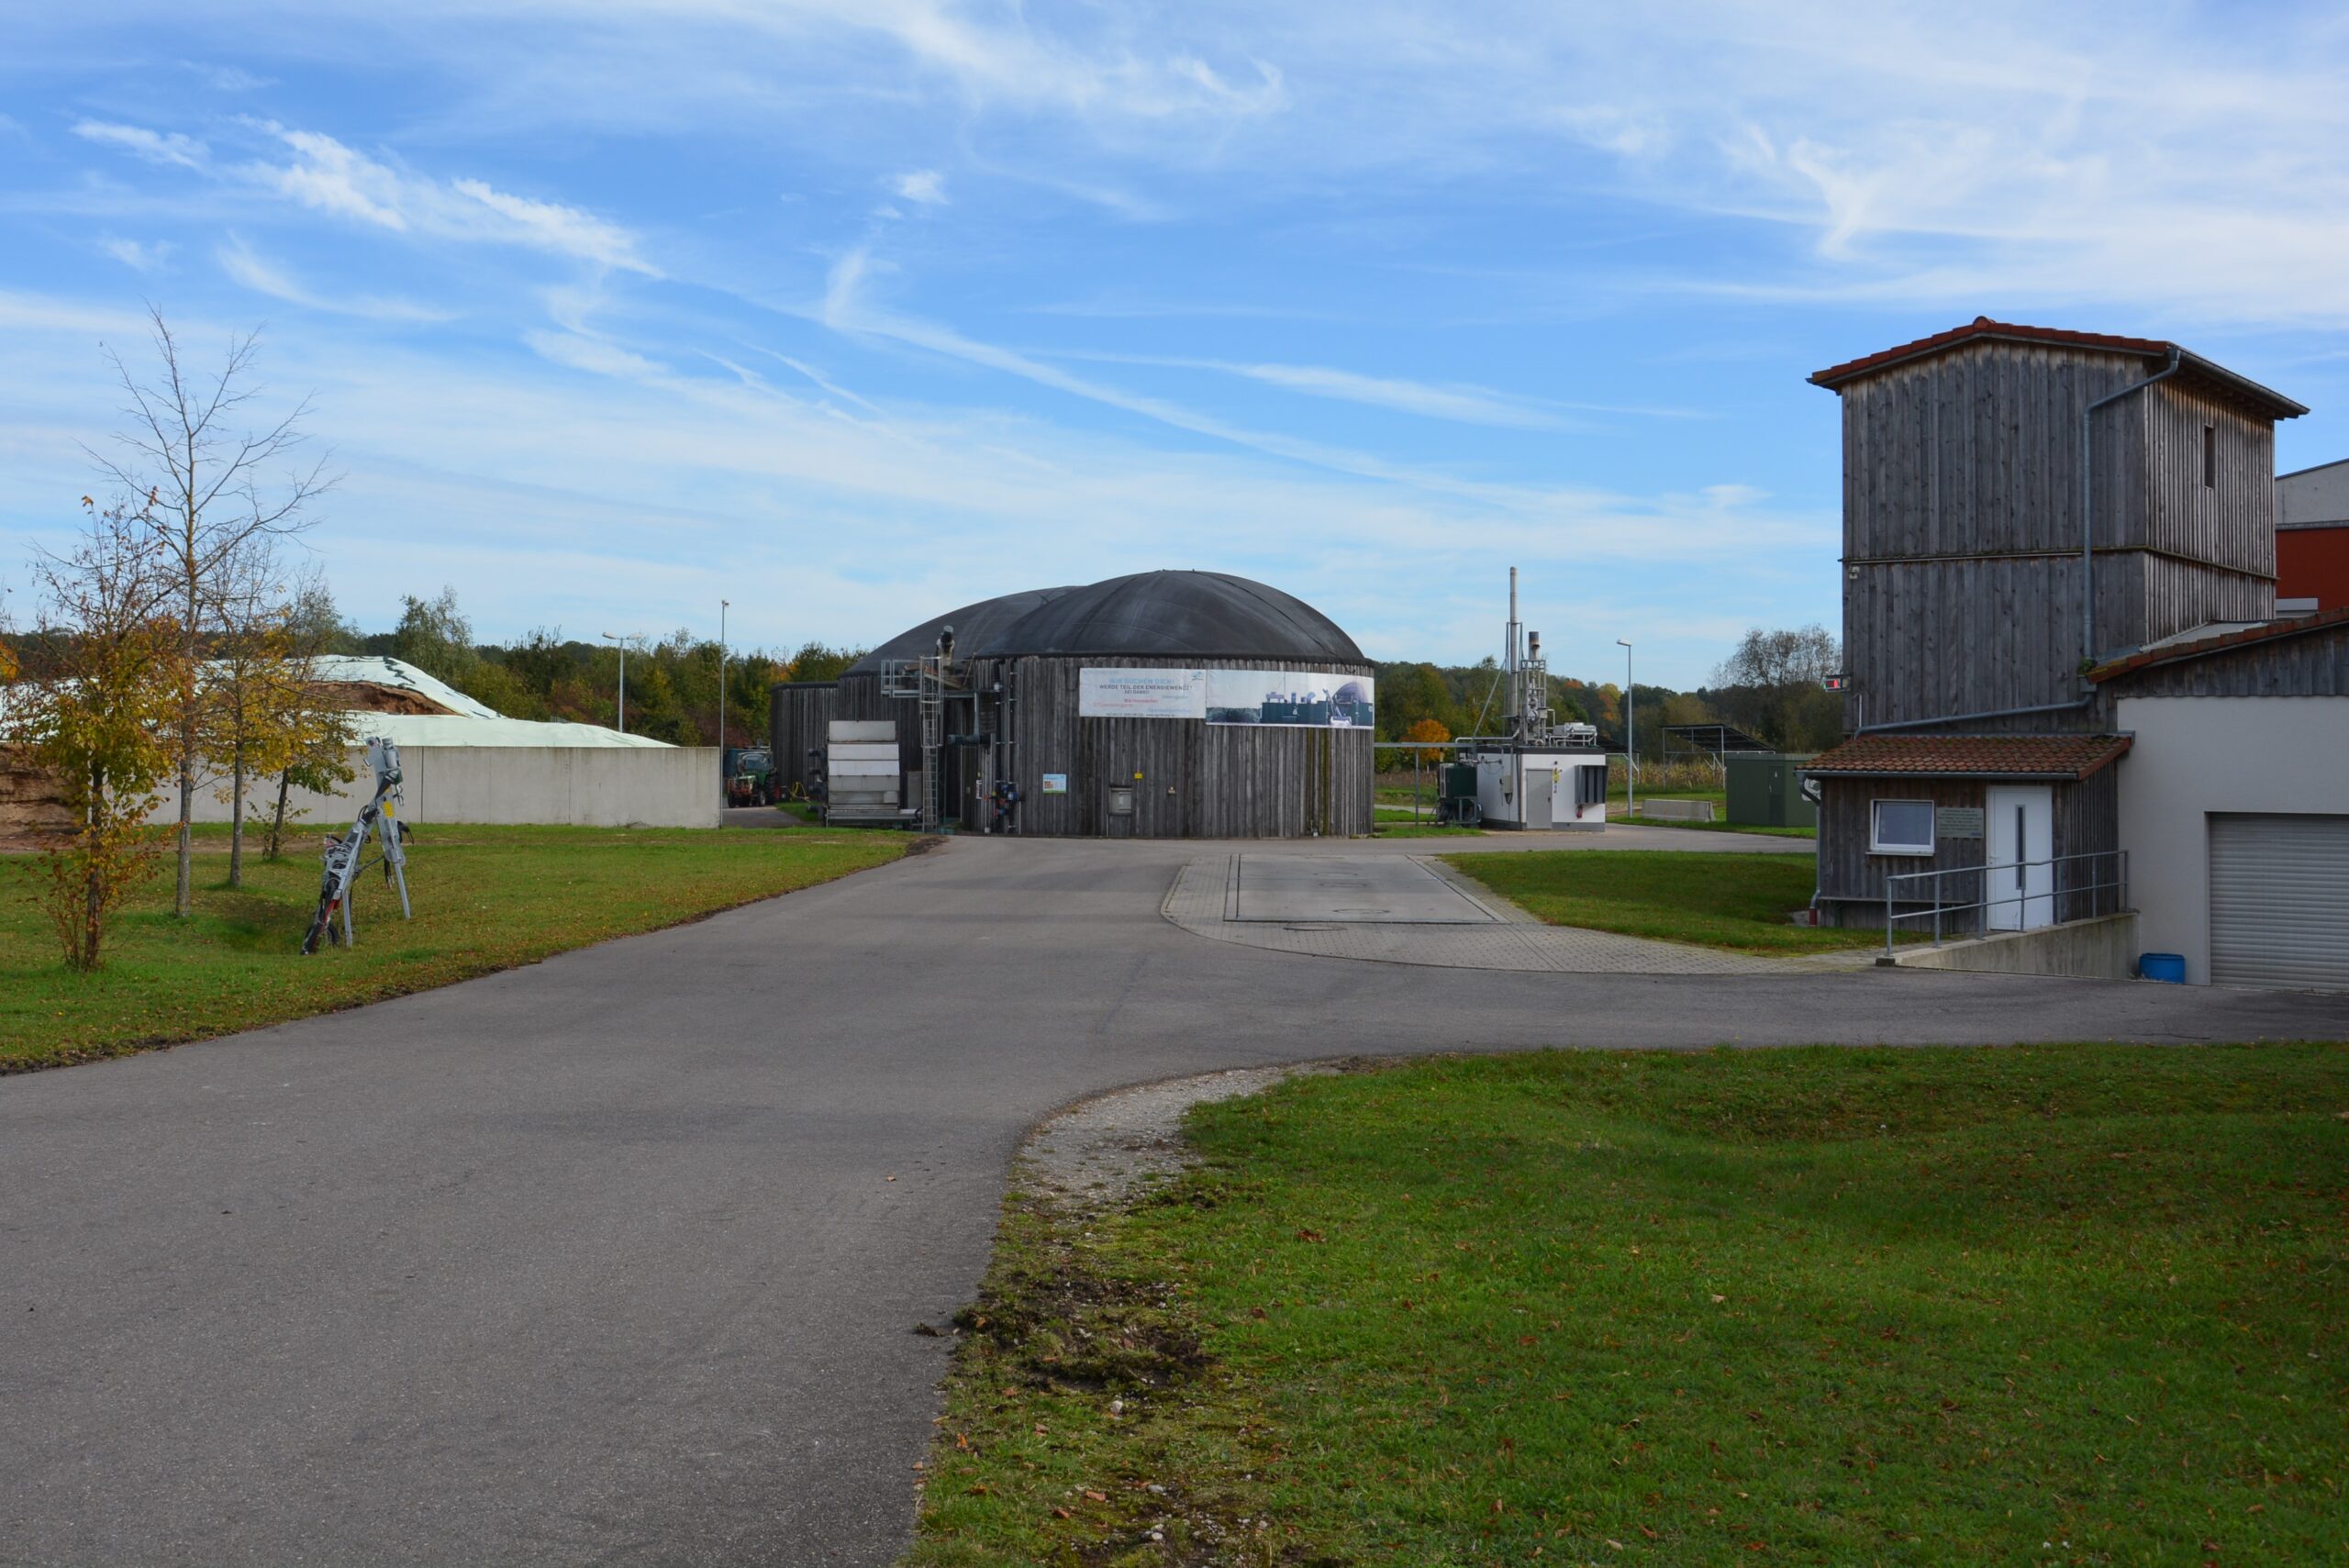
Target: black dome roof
{"type": "Point", "coordinates": [1195, 615]}
{"type": "Point", "coordinates": [971, 623]}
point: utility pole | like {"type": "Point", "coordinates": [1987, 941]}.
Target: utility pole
{"type": "Point", "coordinates": [1631, 739]}
{"type": "Point", "coordinates": [723, 606]}
{"type": "Point", "coordinates": [622, 644]}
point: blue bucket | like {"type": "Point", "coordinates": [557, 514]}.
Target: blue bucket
{"type": "Point", "coordinates": [2166, 966]}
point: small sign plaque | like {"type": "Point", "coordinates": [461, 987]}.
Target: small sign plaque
{"type": "Point", "coordinates": [1834, 682]}
{"type": "Point", "coordinates": [1055, 784]}
{"type": "Point", "coordinates": [1958, 822]}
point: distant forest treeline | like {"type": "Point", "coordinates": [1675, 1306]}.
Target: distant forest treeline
{"type": "Point", "coordinates": [1769, 686]}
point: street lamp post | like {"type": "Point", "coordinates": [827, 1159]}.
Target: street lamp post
{"type": "Point", "coordinates": [621, 642]}
{"type": "Point", "coordinates": [723, 606]}
{"type": "Point", "coordinates": [1631, 739]}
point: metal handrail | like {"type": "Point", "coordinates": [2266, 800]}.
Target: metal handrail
{"type": "Point", "coordinates": [2120, 884]}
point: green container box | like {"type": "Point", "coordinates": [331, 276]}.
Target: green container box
{"type": "Point", "coordinates": [1766, 791]}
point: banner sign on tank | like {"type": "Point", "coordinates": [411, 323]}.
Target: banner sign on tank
{"type": "Point", "coordinates": [1307, 699]}
{"type": "Point", "coordinates": [1296, 698]}
{"type": "Point", "coordinates": [1141, 693]}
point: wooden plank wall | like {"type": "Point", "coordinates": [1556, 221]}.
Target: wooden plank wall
{"type": "Point", "coordinates": [2088, 819]}
{"type": "Point", "coordinates": [1961, 534]}
{"type": "Point", "coordinates": [2182, 594]}
{"type": "Point", "coordinates": [1198, 780]}
{"type": "Point", "coordinates": [2230, 524]}
{"type": "Point", "coordinates": [2314, 664]}
{"type": "Point", "coordinates": [1928, 638]}
{"type": "Point", "coordinates": [1848, 872]}
{"type": "Point", "coordinates": [799, 713]}
{"type": "Point", "coordinates": [1976, 452]}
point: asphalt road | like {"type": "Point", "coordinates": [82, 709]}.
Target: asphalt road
{"type": "Point", "coordinates": [601, 1260]}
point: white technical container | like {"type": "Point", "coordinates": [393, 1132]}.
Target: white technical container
{"type": "Point", "coordinates": [1541, 774]}
{"type": "Point", "coordinates": [1541, 789]}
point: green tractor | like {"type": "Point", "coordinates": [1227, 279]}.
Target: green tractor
{"type": "Point", "coordinates": [749, 775]}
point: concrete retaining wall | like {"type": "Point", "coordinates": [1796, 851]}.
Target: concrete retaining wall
{"type": "Point", "coordinates": [2104, 949]}
{"type": "Point", "coordinates": [589, 786]}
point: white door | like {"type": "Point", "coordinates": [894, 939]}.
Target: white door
{"type": "Point", "coordinates": [2280, 900]}
{"type": "Point", "coordinates": [1534, 795]}
{"type": "Point", "coordinates": [2021, 831]}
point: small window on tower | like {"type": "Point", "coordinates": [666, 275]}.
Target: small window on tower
{"type": "Point", "coordinates": [2210, 455]}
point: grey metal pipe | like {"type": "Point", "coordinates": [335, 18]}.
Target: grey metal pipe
{"type": "Point", "coordinates": [2088, 501]}
{"type": "Point", "coordinates": [1970, 717]}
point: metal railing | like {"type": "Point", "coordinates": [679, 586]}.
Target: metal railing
{"type": "Point", "coordinates": [2060, 890]}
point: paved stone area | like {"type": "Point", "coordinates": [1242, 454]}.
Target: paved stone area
{"type": "Point", "coordinates": [1208, 893]}
{"type": "Point", "coordinates": [1392, 890]}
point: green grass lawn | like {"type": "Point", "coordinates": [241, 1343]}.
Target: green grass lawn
{"type": "Point", "coordinates": [1739, 901]}
{"type": "Point", "coordinates": [2061, 1304]}
{"type": "Point", "coordinates": [485, 898]}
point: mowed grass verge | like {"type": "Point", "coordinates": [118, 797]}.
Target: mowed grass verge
{"type": "Point", "coordinates": [2075, 1305]}
{"type": "Point", "coordinates": [1719, 827]}
{"type": "Point", "coordinates": [1725, 900]}
{"type": "Point", "coordinates": [485, 898]}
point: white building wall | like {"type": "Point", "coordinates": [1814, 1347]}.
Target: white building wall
{"type": "Point", "coordinates": [589, 786]}
{"type": "Point", "coordinates": [2313, 495]}
{"type": "Point", "coordinates": [2194, 756]}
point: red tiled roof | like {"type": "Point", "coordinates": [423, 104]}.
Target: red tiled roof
{"type": "Point", "coordinates": [1971, 756]}
{"type": "Point", "coordinates": [2202, 647]}
{"type": "Point", "coordinates": [1983, 327]}
{"type": "Point", "coordinates": [2211, 375]}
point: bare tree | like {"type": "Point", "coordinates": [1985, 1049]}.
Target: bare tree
{"type": "Point", "coordinates": [209, 496]}
{"type": "Point", "coordinates": [1771, 685]}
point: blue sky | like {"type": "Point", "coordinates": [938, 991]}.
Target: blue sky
{"type": "Point", "coordinates": [852, 310]}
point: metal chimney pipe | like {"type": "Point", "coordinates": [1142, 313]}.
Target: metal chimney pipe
{"type": "Point", "coordinates": [1516, 686]}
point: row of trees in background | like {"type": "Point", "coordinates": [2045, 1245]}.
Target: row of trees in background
{"type": "Point", "coordinates": [1770, 686]}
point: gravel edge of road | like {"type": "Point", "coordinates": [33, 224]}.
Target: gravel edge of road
{"type": "Point", "coordinates": [1101, 1152]}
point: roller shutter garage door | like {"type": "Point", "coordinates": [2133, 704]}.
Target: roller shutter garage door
{"type": "Point", "coordinates": [2280, 900]}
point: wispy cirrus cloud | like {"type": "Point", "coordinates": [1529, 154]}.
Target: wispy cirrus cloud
{"type": "Point", "coordinates": [243, 265]}
{"type": "Point", "coordinates": [332, 177]}
{"type": "Point", "coordinates": [143, 256]}
{"type": "Point", "coordinates": [1461, 404]}
{"type": "Point", "coordinates": [845, 309]}
{"type": "Point", "coordinates": [154, 146]}
{"type": "Point", "coordinates": [925, 185]}
{"type": "Point", "coordinates": [319, 172]}
{"type": "Point", "coordinates": [578, 351]}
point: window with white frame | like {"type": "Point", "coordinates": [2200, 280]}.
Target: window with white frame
{"type": "Point", "coordinates": [1900, 827]}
